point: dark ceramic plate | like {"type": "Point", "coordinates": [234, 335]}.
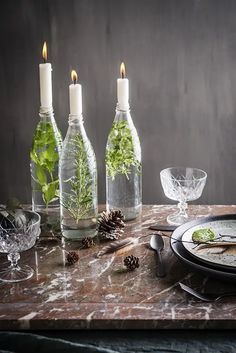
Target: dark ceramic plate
{"type": "Point", "coordinates": [216, 271]}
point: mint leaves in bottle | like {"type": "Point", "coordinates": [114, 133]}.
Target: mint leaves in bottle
{"type": "Point", "coordinates": [44, 155]}
{"type": "Point", "coordinates": [45, 150]}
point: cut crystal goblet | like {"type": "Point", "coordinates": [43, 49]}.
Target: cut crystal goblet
{"type": "Point", "coordinates": [20, 236]}
{"type": "Point", "coordinates": [182, 184]}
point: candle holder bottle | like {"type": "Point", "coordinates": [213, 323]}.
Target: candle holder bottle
{"type": "Point", "coordinates": [44, 156]}
{"type": "Point", "coordinates": [78, 183]}
{"type": "Point", "coordinates": [123, 166]}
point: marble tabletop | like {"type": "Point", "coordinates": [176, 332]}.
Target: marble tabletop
{"type": "Point", "coordinates": [96, 294]}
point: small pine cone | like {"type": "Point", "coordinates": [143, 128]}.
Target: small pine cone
{"type": "Point", "coordinates": [71, 258]}
{"type": "Point", "coordinates": [110, 225]}
{"type": "Point", "coordinates": [87, 242]}
{"type": "Point", "coordinates": [117, 214]}
{"type": "Point", "coordinates": [131, 262]}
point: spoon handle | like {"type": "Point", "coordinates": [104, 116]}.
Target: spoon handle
{"type": "Point", "coordinates": [163, 228]}
{"type": "Point", "coordinates": [160, 266]}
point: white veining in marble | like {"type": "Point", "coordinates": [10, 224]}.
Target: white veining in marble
{"type": "Point", "coordinates": [50, 251]}
{"type": "Point", "coordinates": [25, 320]}
{"type": "Point", "coordinates": [56, 310]}
{"type": "Point", "coordinates": [58, 295]}
{"type": "Point", "coordinates": [110, 296]}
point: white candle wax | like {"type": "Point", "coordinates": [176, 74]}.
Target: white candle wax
{"type": "Point", "coordinates": [75, 91]}
{"type": "Point", "coordinates": [123, 93]}
{"type": "Point", "coordinates": [45, 78]}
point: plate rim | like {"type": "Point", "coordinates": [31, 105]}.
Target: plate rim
{"type": "Point", "coordinates": [201, 259]}
{"type": "Point", "coordinates": [207, 269]}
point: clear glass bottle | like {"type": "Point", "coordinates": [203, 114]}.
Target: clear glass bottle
{"type": "Point", "coordinates": [78, 183]}
{"type": "Point", "coordinates": [123, 166]}
{"type": "Point", "coordinates": [44, 156]}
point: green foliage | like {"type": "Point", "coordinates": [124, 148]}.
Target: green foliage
{"type": "Point", "coordinates": [44, 154]}
{"type": "Point", "coordinates": [120, 156]}
{"type": "Point", "coordinates": [79, 201]}
{"type": "Point", "coordinates": [203, 235]}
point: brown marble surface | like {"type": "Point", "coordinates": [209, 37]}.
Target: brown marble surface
{"type": "Point", "coordinates": [94, 293]}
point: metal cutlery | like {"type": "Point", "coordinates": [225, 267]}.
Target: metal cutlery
{"type": "Point", "coordinates": [157, 244]}
{"type": "Point", "coordinates": [163, 227]}
{"type": "Point", "coordinates": [206, 297]}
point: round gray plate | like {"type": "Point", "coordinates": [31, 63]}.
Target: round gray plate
{"type": "Point", "coordinates": [214, 256]}
{"type": "Point", "coordinates": [217, 271]}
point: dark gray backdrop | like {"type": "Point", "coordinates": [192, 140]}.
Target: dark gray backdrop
{"type": "Point", "coordinates": [181, 61]}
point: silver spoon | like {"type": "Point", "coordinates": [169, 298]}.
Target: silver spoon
{"type": "Point", "coordinates": [157, 244]}
{"type": "Point", "coordinates": [206, 297]}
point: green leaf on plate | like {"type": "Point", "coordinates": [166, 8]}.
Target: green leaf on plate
{"type": "Point", "coordinates": [203, 235]}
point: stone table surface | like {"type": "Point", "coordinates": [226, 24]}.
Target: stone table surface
{"type": "Point", "coordinates": [96, 294]}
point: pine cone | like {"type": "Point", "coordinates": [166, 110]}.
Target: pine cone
{"type": "Point", "coordinates": [87, 242]}
{"type": "Point", "coordinates": [110, 225]}
{"type": "Point", "coordinates": [131, 262]}
{"type": "Point", "coordinates": [71, 258]}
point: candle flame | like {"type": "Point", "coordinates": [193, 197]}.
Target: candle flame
{"type": "Point", "coordinates": [122, 70]}
{"type": "Point", "coordinates": [74, 76]}
{"type": "Point", "coordinates": [45, 52]}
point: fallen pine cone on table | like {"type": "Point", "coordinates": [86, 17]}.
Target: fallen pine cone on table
{"type": "Point", "coordinates": [111, 224]}
{"type": "Point", "coordinates": [87, 242]}
{"type": "Point", "coordinates": [131, 262]}
{"type": "Point", "coordinates": [71, 258]}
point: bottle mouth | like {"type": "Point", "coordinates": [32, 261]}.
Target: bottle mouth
{"type": "Point", "coordinates": [121, 109]}
{"type": "Point", "coordinates": [46, 110]}
{"type": "Point", "coordinates": [75, 119]}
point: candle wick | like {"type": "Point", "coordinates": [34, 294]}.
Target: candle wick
{"type": "Point", "coordinates": [44, 60]}
{"type": "Point", "coordinates": [122, 75]}
{"type": "Point", "coordinates": [74, 81]}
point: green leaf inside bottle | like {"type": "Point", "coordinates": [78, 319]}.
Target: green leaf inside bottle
{"type": "Point", "coordinates": [120, 155]}
{"type": "Point", "coordinates": [79, 202]}
{"type": "Point", "coordinates": [45, 155]}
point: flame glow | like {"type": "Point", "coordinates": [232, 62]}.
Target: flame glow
{"type": "Point", "coordinates": [44, 51]}
{"type": "Point", "coordinates": [74, 76]}
{"type": "Point", "coordinates": [122, 70]}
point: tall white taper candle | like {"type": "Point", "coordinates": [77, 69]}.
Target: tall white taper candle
{"type": "Point", "coordinates": [123, 89]}
{"type": "Point", "coordinates": [75, 92]}
{"type": "Point", "coordinates": [45, 78]}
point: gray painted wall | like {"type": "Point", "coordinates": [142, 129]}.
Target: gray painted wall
{"type": "Point", "coordinates": [180, 57]}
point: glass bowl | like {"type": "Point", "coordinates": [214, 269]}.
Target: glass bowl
{"type": "Point", "coordinates": [182, 184]}
{"type": "Point", "coordinates": [17, 235]}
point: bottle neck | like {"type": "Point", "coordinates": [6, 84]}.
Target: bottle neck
{"type": "Point", "coordinates": [76, 125]}
{"type": "Point", "coordinates": [46, 114]}
{"type": "Point", "coordinates": [121, 110]}
{"type": "Point", "coordinates": [75, 120]}
{"type": "Point", "coordinates": [122, 114]}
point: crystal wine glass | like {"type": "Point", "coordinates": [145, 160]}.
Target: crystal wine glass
{"type": "Point", "coordinates": [182, 185]}
{"type": "Point", "coordinates": [20, 236]}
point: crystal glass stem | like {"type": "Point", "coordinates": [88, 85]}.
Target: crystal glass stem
{"type": "Point", "coordinates": [14, 258]}
{"type": "Point", "coordinates": [182, 209]}
{"type": "Point", "coordinates": [15, 273]}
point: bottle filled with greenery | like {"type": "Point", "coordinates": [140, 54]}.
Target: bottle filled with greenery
{"type": "Point", "coordinates": [78, 183]}
{"type": "Point", "coordinates": [123, 166]}
{"type": "Point", "coordinates": [44, 156]}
